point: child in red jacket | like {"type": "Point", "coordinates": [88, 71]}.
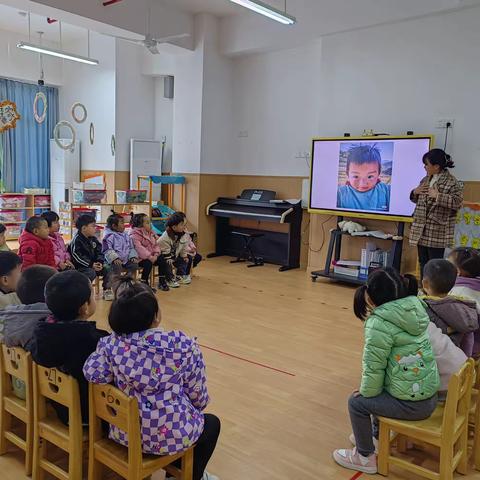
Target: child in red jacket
{"type": "Point", "coordinates": [36, 247]}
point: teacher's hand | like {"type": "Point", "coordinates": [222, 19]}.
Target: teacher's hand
{"type": "Point", "coordinates": [433, 193]}
{"type": "Point", "coordinates": [422, 189]}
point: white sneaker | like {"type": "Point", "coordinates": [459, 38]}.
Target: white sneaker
{"type": "Point", "coordinates": [185, 280]}
{"type": "Point", "coordinates": [173, 283]}
{"type": "Point", "coordinates": [209, 476]}
{"type": "Point", "coordinates": [108, 295]}
{"type": "Point", "coordinates": [354, 442]}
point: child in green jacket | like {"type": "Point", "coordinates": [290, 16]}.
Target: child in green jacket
{"type": "Point", "coordinates": [399, 372]}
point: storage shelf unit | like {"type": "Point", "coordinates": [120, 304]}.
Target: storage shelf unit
{"type": "Point", "coordinates": [30, 209]}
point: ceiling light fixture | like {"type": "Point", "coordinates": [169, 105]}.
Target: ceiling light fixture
{"type": "Point", "coordinates": [270, 12]}
{"type": "Point", "coordinates": [56, 53]}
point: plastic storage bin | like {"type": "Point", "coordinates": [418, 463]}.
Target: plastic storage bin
{"type": "Point", "coordinates": [89, 196]}
{"type": "Point", "coordinates": [42, 201]}
{"type": "Point", "coordinates": [12, 215]}
{"type": "Point", "coordinates": [121, 196]}
{"type": "Point", "coordinates": [77, 212]}
{"type": "Point", "coordinates": [13, 231]}
{"type": "Point", "coordinates": [136, 196]}
{"type": "Point", "coordinates": [12, 201]}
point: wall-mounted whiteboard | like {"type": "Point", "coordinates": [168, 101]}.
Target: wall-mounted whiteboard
{"type": "Point", "coordinates": [145, 159]}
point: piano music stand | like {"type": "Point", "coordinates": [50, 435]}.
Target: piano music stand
{"type": "Point", "coordinates": [247, 253]}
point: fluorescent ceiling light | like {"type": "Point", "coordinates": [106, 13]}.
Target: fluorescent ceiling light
{"type": "Point", "coordinates": [56, 53]}
{"type": "Point", "coordinates": [267, 10]}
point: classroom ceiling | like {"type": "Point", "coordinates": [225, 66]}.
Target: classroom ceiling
{"type": "Point", "coordinates": [220, 8]}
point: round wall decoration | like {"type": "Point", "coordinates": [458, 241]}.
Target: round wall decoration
{"type": "Point", "coordinates": [92, 133]}
{"type": "Point", "coordinates": [40, 96]}
{"type": "Point", "coordinates": [56, 135]}
{"type": "Point", "coordinates": [112, 145]}
{"type": "Point", "coordinates": [81, 116]}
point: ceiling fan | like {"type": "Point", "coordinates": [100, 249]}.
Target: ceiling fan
{"type": "Point", "coordinates": [150, 42]}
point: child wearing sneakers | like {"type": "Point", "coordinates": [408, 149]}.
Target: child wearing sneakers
{"type": "Point", "coordinates": [456, 317]}
{"type": "Point", "coordinates": [145, 242]}
{"type": "Point", "coordinates": [175, 245]}
{"type": "Point", "coordinates": [400, 377]}
{"type": "Point", "coordinates": [62, 257]}
{"type": "Point", "coordinates": [164, 370]}
{"type": "Point", "coordinates": [117, 247]}
{"type": "Point", "coordinates": [36, 247]}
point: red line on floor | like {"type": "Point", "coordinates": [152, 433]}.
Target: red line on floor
{"type": "Point", "coordinates": [357, 475]}
{"type": "Point", "coordinates": [248, 361]}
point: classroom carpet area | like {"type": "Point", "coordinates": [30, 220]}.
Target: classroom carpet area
{"type": "Point", "coordinates": [283, 354]}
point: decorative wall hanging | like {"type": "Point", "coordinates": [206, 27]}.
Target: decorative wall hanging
{"type": "Point", "coordinates": [83, 112]}
{"type": "Point", "coordinates": [92, 133]}
{"type": "Point", "coordinates": [40, 96]}
{"type": "Point", "coordinates": [8, 115]}
{"type": "Point", "coordinates": [112, 145]}
{"type": "Point", "coordinates": [56, 135]}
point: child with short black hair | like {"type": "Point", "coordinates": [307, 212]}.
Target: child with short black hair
{"type": "Point", "coordinates": [10, 270]}
{"type": "Point", "coordinates": [400, 377]}
{"type": "Point", "coordinates": [467, 261]}
{"type": "Point", "coordinates": [66, 338]}
{"type": "Point", "coordinates": [3, 239]}
{"type": "Point", "coordinates": [62, 257]}
{"type": "Point", "coordinates": [175, 244]}
{"type": "Point", "coordinates": [458, 318]}
{"type": "Point", "coordinates": [86, 250]}
{"type": "Point", "coordinates": [18, 322]}
{"type": "Point", "coordinates": [117, 247]}
{"type": "Point", "coordinates": [163, 370]}
{"type": "Point", "coordinates": [36, 247]}
{"type": "Point", "coordinates": [145, 242]}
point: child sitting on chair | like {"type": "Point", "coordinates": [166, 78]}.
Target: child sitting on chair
{"type": "Point", "coordinates": [400, 377]}
{"type": "Point", "coordinates": [3, 239]}
{"type": "Point", "coordinates": [456, 317]}
{"type": "Point", "coordinates": [36, 247]}
{"type": "Point", "coordinates": [117, 247]}
{"type": "Point", "coordinates": [145, 242]}
{"type": "Point", "coordinates": [175, 245]}
{"type": "Point", "coordinates": [66, 338]}
{"type": "Point", "coordinates": [10, 270]}
{"type": "Point", "coordinates": [62, 257]}
{"type": "Point", "coordinates": [164, 370]}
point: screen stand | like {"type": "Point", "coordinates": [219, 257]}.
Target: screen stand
{"type": "Point", "coordinates": [334, 254]}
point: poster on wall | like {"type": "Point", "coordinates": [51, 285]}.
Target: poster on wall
{"type": "Point", "coordinates": [8, 115]}
{"type": "Point", "coordinates": [467, 228]}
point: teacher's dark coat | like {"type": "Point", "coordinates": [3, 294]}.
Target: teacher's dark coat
{"type": "Point", "coordinates": [434, 220]}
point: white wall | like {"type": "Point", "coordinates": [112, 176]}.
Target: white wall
{"type": "Point", "coordinates": [135, 102]}
{"type": "Point", "coordinates": [164, 122]}
{"type": "Point", "coordinates": [276, 99]}
{"type": "Point", "coordinates": [94, 86]}
{"type": "Point", "coordinates": [22, 65]}
{"type": "Point", "coordinates": [403, 77]}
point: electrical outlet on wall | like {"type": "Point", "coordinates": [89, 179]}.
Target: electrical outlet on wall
{"type": "Point", "coordinates": [243, 134]}
{"type": "Point", "coordinates": [442, 122]}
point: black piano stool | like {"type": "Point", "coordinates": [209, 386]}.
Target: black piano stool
{"type": "Point", "coordinates": [247, 253]}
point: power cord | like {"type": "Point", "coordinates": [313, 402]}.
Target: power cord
{"type": "Point", "coordinates": [448, 125]}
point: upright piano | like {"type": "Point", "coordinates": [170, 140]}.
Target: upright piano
{"type": "Point", "coordinates": [257, 211]}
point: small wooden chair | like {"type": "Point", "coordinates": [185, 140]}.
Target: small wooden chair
{"type": "Point", "coordinates": [447, 429]}
{"type": "Point", "coordinates": [474, 417]}
{"type": "Point", "coordinates": [16, 362]}
{"type": "Point", "coordinates": [50, 383]}
{"type": "Point", "coordinates": [113, 406]}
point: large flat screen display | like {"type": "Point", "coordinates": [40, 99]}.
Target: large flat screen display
{"type": "Point", "coordinates": [367, 176]}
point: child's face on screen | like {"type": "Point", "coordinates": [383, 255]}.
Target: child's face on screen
{"type": "Point", "coordinates": [363, 177]}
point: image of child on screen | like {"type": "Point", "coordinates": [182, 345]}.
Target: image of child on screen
{"type": "Point", "coordinates": [364, 176]}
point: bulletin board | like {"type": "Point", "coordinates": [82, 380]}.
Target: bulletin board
{"type": "Point", "coordinates": [467, 228]}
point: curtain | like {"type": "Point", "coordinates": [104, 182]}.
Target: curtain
{"type": "Point", "coordinates": [25, 150]}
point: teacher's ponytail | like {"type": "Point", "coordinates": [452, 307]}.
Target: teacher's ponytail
{"type": "Point", "coordinates": [439, 157]}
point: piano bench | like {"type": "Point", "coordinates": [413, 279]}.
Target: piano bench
{"type": "Point", "coordinates": [247, 253]}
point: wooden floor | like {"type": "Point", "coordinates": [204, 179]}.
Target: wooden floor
{"type": "Point", "coordinates": [283, 354]}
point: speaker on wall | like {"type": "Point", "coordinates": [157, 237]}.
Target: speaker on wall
{"type": "Point", "coordinates": [168, 86]}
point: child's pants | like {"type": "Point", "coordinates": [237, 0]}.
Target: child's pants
{"type": "Point", "coordinates": [184, 266]}
{"type": "Point", "coordinates": [92, 274]}
{"type": "Point", "coordinates": [384, 405]}
{"type": "Point", "coordinates": [147, 266]}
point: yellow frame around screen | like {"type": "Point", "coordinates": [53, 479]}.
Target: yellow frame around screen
{"type": "Point", "coordinates": [350, 213]}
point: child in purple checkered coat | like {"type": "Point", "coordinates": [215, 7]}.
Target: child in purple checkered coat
{"type": "Point", "coordinates": [164, 370]}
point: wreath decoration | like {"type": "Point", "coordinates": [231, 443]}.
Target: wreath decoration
{"type": "Point", "coordinates": [81, 106]}
{"type": "Point", "coordinates": [40, 96]}
{"type": "Point", "coordinates": [56, 135]}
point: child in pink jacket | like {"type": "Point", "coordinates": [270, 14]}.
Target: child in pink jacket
{"type": "Point", "coordinates": [63, 260]}
{"type": "Point", "coordinates": [146, 244]}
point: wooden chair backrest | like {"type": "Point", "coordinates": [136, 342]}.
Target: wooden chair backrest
{"type": "Point", "coordinates": [57, 386]}
{"type": "Point", "coordinates": [17, 362]}
{"type": "Point", "coordinates": [458, 396]}
{"type": "Point", "coordinates": [476, 383]}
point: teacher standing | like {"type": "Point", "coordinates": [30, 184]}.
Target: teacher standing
{"type": "Point", "coordinates": [437, 199]}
